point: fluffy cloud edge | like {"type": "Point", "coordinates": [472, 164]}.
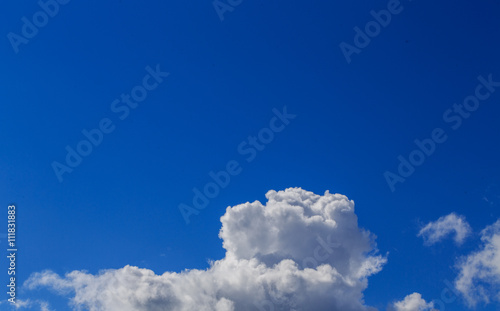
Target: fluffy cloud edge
{"type": "Point", "coordinates": [479, 272]}
{"type": "Point", "coordinates": [413, 302]}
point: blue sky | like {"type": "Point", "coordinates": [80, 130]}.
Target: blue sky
{"type": "Point", "coordinates": [120, 205]}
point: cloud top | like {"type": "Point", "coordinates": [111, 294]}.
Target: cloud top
{"type": "Point", "coordinates": [414, 302]}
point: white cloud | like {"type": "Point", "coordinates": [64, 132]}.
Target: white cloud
{"type": "Point", "coordinates": [479, 276]}
{"type": "Point", "coordinates": [436, 231]}
{"type": "Point", "coordinates": [28, 304]}
{"type": "Point", "coordinates": [300, 251]}
{"type": "Point", "coordinates": [413, 302]}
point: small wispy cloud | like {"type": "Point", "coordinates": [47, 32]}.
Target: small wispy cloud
{"type": "Point", "coordinates": [492, 194]}
{"type": "Point", "coordinates": [445, 226]}
{"type": "Point", "coordinates": [28, 304]}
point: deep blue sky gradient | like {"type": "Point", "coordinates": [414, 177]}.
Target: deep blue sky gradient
{"type": "Point", "coordinates": [120, 206]}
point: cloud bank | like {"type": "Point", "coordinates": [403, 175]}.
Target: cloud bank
{"type": "Point", "coordinates": [436, 231]}
{"type": "Point", "coordinates": [299, 251]}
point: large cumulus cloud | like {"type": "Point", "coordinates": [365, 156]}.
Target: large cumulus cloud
{"type": "Point", "coordinates": [299, 251]}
